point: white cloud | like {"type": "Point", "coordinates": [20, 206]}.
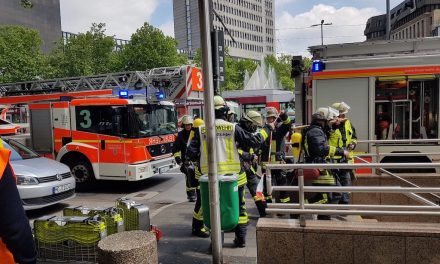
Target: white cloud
{"type": "Point", "coordinates": [294, 34]}
{"type": "Point", "coordinates": [122, 17]}
{"type": "Point", "coordinates": [168, 28]}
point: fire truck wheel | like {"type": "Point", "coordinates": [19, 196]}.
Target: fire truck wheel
{"type": "Point", "coordinates": [83, 173]}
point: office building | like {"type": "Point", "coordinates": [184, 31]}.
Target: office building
{"type": "Point", "coordinates": [42, 15]}
{"type": "Point", "coordinates": [250, 22]}
{"type": "Point", "coordinates": [410, 19]}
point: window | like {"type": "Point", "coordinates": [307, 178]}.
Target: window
{"type": "Point", "coordinates": [107, 120]}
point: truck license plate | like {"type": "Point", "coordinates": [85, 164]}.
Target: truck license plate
{"type": "Point", "coordinates": [61, 188]}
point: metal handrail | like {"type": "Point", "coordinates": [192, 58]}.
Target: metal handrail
{"type": "Point", "coordinates": [400, 141]}
{"type": "Point", "coordinates": [303, 208]}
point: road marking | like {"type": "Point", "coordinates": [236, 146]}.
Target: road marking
{"type": "Point", "coordinates": [171, 173]}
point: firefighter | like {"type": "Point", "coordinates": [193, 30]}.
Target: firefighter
{"type": "Point", "coordinates": [317, 149]}
{"type": "Point", "coordinates": [273, 148]}
{"type": "Point", "coordinates": [198, 228]}
{"type": "Point", "coordinates": [250, 122]}
{"type": "Point", "coordinates": [232, 116]}
{"type": "Point", "coordinates": [343, 135]}
{"type": "Point", "coordinates": [179, 150]}
{"type": "Point", "coordinates": [16, 242]}
{"type": "Point", "coordinates": [229, 135]}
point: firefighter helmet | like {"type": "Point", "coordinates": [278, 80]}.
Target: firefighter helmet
{"type": "Point", "coordinates": [187, 120]}
{"type": "Point", "coordinates": [325, 113]}
{"type": "Point", "coordinates": [271, 112]}
{"type": "Point", "coordinates": [341, 107]}
{"type": "Point", "coordinates": [198, 122]}
{"type": "Point", "coordinates": [219, 102]}
{"type": "Point", "coordinates": [254, 117]}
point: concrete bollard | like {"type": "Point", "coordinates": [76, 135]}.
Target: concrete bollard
{"type": "Point", "coordinates": [128, 247]}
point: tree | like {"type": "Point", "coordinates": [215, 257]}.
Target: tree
{"type": "Point", "coordinates": [21, 58]}
{"type": "Point", "coordinates": [87, 53]}
{"type": "Point", "coordinates": [150, 48]}
{"type": "Point", "coordinates": [235, 72]}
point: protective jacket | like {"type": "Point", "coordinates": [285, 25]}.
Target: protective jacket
{"type": "Point", "coordinates": [277, 143]}
{"type": "Point", "coordinates": [16, 242]}
{"type": "Point", "coordinates": [228, 137]}
{"type": "Point", "coordinates": [179, 147]}
{"type": "Point", "coordinates": [342, 136]}
{"type": "Point", "coordinates": [317, 149]}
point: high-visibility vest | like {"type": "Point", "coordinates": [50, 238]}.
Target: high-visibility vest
{"type": "Point", "coordinates": [336, 139]}
{"type": "Point", "coordinates": [228, 160]}
{"type": "Point", "coordinates": [6, 256]}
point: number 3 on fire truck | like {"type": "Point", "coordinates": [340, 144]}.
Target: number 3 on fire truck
{"type": "Point", "coordinates": [86, 117]}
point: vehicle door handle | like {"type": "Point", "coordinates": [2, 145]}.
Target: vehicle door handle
{"type": "Point", "coordinates": [102, 144]}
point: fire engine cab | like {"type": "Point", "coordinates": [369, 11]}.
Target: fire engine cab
{"type": "Point", "coordinates": [118, 126]}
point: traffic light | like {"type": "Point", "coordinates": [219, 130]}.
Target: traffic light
{"type": "Point", "coordinates": [297, 66]}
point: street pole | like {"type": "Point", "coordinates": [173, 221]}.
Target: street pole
{"type": "Point", "coordinates": [388, 31]}
{"type": "Point", "coordinates": [208, 82]}
{"type": "Point", "coordinates": [322, 24]}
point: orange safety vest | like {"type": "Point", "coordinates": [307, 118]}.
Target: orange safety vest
{"type": "Point", "coordinates": [5, 255]}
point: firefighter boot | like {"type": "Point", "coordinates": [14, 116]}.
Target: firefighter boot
{"type": "Point", "coordinates": [261, 206]}
{"type": "Point", "coordinates": [191, 195]}
{"type": "Point", "coordinates": [198, 229]}
{"type": "Point", "coordinates": [240, 235]}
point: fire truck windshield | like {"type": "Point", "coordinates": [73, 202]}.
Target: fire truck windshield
{"type": "Point", "coordinates": [153, 120]}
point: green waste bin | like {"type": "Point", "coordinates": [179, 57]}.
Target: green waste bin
{"type": "Point", "coordinates": [229, 207]}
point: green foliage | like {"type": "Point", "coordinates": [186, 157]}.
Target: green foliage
{"type": "Point", "coordinates": [235, 72]}
{"type": "Point", "coordinates": [20, 55]}
{"type": "Point", "coordinates": [85, 54]}
{"type": "Point", "coordinates": [150, 48]}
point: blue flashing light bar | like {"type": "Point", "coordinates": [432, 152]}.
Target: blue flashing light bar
{"type": "Point", "coordinates": [160, 95]}
{"type": "Point", "coordinates": [123, 94]}
{"type": "Point", "coordinates": [318, 66]}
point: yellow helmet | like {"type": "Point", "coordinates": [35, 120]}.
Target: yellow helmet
{"type": "Point", "coordinates": [187, 120]}
{"type": "Point", "coordinates": [219, 102]}
{"type": "Point", "coordinates": [341, 107]}
{"type": "Point", "coordinates": [198, 122]}
{"type": "Point", "coordinates": [254, 117]}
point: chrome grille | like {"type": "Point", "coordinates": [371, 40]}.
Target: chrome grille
{"type": "Point", "coordinates": [54, 177]}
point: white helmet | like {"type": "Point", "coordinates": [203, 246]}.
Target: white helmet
{"type": "Point", "coordinates": [325, 113]}
{"type": "Point", "coordinates": [187, 120]}
{"type": "Point", "coordinates": [341, 107]}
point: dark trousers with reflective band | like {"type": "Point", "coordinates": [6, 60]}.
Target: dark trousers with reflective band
{"type": "Point", "coordinates": [197, 223]}
{"type": "Point", "coordinates": [279, 178]}
{"type": "Point", "coordinates": [343, 178]}
{"type": "Point", "coordinates": [189, 182]}
{"type": "Point", "coordinates": [241, 228]}
{"type": "Point", "coordinates": [252, 183]}
{"type": "Point", "coordinates": [326, 179]}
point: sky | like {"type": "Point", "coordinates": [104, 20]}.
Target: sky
{"type": "Point", "coordinates": [293, 19]}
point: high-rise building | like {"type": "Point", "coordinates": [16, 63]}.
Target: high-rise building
{"type": "Point", "coordinates": [42, 15]}
{"type": "Point", "coordinates": [250, 22]}
{"type": "Point", "coordinates": [409, 20]}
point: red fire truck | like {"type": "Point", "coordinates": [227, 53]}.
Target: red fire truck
{"type": "Point", "coordinates": [117, 126]}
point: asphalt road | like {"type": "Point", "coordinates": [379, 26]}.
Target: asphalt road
{"type": "Point", "coordinates": [156, 192]}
